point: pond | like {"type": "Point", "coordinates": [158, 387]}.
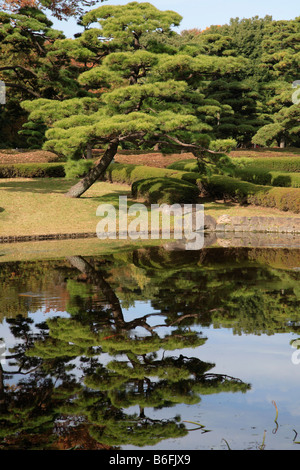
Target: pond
{"type": "Point", "coordinates": [151, 348]}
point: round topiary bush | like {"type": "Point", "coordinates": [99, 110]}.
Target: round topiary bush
{"type": "Point", "coordinates": [165, 190]}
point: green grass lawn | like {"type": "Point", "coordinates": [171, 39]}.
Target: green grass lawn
{"type": "Point", "coordinates": [39, 206]}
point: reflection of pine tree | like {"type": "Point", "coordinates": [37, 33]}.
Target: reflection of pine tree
{"type": "Point", "coordinates": [231, 288]}
{"type": "Point", "coordinates": [140, 374]}
{"type": "Point", "coordinates": [65, 378]}
{"type": "Point", "coordinates": [142, 379]}
{"type": "Point", "coordinates": [28, 409]}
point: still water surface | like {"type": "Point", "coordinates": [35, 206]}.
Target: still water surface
{"type": "Point", "coordinates": [151, 349]}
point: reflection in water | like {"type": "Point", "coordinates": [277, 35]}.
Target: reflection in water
{"type": "Point", "coordinates": [86, 368]}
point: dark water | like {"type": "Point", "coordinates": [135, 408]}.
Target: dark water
{"type": "Point", "coordinates": [151, 349]}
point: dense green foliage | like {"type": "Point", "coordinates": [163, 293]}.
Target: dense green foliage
{"type": "Point", "coordinates": [243, 71]}
{"type": "Point", "coordinates": [31, 68]}
{"type": "Point", "coordinates": [129, 81]}
{"type": "Point", "coordinates": [272, 48]}
{"type": "Point", "coordinates": [276, 171]}
{"type": "Point", "coordinates": [181, 183]}
{"type": "Point", "coordinates": [165, 190]}
{"type": "Point", "coordinates": [228, 188]}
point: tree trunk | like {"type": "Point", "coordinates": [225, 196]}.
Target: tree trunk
{"type": "Point", "coordinates": [96, 278]}
{"type": "Point", "coordinates": [95, 173]}
{"type": "Point", "coordinates": [88, 152]}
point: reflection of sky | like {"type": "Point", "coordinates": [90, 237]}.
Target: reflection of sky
{"type": "Point", "coordinates": [241, 418]}
{"type": "Point", "coordinates": [5, 334]}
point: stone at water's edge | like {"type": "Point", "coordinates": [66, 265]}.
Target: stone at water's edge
{"type": "Point", "coordinates": [226, 223]}
{"type": "Point", "coordinates": [290, 241]}
{"type": "Point", "coordinates": [209, 223]}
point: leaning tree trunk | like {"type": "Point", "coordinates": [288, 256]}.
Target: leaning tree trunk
{"type": "Point", "coordinates": [95, 173]}
{"type": "Point", "coordinates": [96, 278]}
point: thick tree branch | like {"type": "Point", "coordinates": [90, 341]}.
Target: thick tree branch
{"type": "Point", "coordinates": [14, 67]}
{"type": "Point", "coordinates": [191, 146]}
{"type": "Point", "coordinates": [21, 87]}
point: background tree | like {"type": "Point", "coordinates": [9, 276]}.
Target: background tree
{"type": "Point", "coordinates": [284, 130]}
{"type": "Point", "coordinates": [280, 61]}
{"type": "Point", "coordinates": [239, 118]}
{"type": "Point", "coordinates": [26, 39]}
{"type": "Point", "coordinates": [34, 133]}
{"type": "Point", "coordinates": [30, 67]}
{"type": "Point", "coordinates": [246, 36]}
{"type": "Point", "coordinates": [273, 53]}
{"type": "Point", "coordinates": [61, 9]}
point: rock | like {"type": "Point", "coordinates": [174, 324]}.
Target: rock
{"type": "Point", "coordinates": [224, 219]}
{"type": "Point", "coordinates": [209, 223]}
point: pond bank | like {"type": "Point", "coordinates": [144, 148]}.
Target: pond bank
{"type": "Point", "coordinates": [228, 223]}
{"type": "Point", "coordinates": [250, 227]}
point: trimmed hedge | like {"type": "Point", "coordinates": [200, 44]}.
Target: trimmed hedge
{"type": "Point", "coordinates": [165, 190]}
{"type": "Point", "coordinates": [184, 165]}
{"type": "Point", "coordinates": [252, 172]}
{"type": "Point", "coordinates": [272, 178]}
{"type": "Point", "coordinates": [282, 164]}
{"type": "Point", "coordinates": [284, 199]}
{"type": "Point", "coordinates": [77, 169]}
{"type": "Point", "coordinates": [129, 173]}
{"type": "Point", "coordinates": [32, 170]}
{"type": "Point", "coordinates": [156, 185]}
{"type": "Point", "coordinates": [285, 164]}
{"type": "Point", "coordinates": [181, 183]}
{"type": "Point", "coordinates": [225, 187]}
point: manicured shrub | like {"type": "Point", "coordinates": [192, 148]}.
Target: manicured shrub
{"type": "Point", "coordinates": [272, 178]}
{"type": "Point", "coordinates": [32, 170]}
{"type": "Point", "coordinates": [156, 185]}
{"type": "Point", "coordinates": [128, 173]}
{"type": "Point", "coordinates": [165, 190]}
{"type": "Point", "coordinates": [254, 175]}
{"type": "Point", "coordinates": [184, 165]}
{"type": "Point", "coordinates": [254, 171]}
{"type": "Point", "coordinates": [284, 199]}
{"type": "Point", "coordinates": [223, 165]}
{"type": "Point", "coordinates": [225, 187]}
{"type": "Point", "coordinates": [161, 185]}
{"type": "Point", "coordinates": [285, 164]}
{"type": "Point", "coordinates": [286, 180]}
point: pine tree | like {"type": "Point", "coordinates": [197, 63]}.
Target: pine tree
{"type": "Point", "coordinates": [137, 96]}
{"type": "Point", "coordinates": [61, 9]}
{"type": "Point", "coordinates": [284, 130]}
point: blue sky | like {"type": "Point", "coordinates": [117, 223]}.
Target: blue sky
{"type": "Point", "coordinates": [203, 13]}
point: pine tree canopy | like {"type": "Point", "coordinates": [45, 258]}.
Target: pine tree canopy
{"type": "Point", "coordinates": [135, 95]}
